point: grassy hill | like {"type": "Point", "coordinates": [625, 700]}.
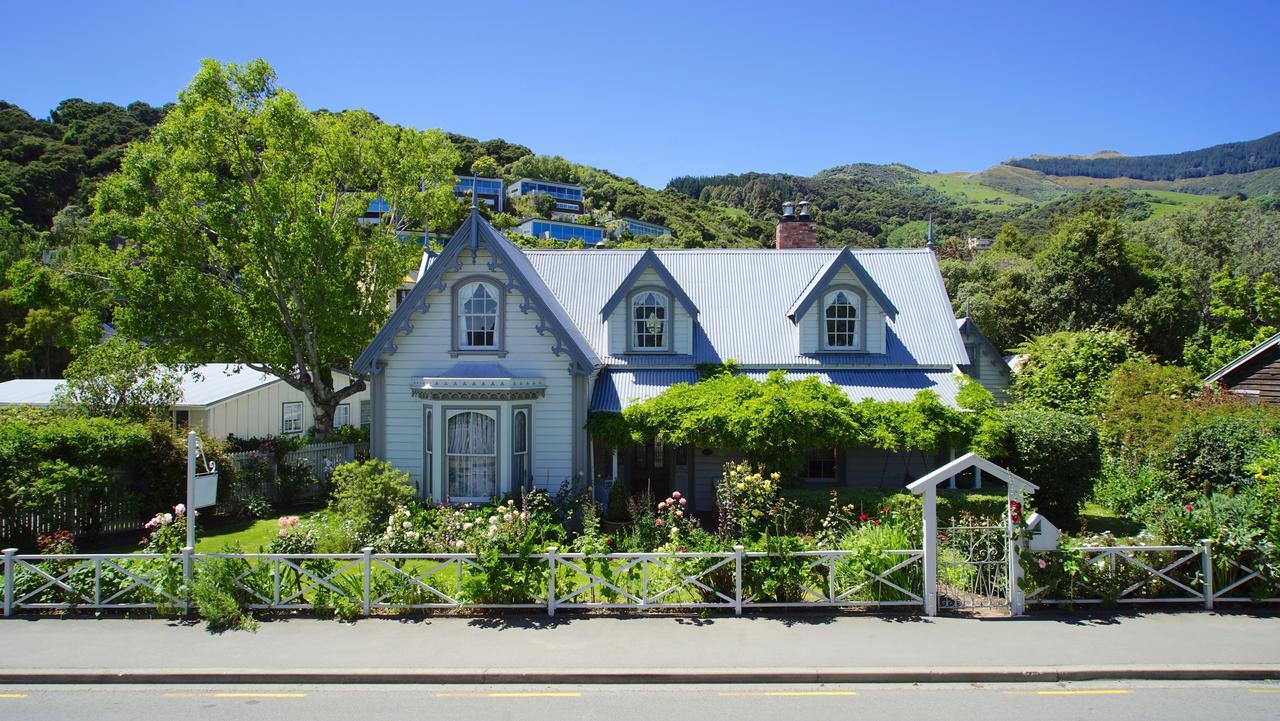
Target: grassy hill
{"type": "Point", "coordinates": [1228, 158]}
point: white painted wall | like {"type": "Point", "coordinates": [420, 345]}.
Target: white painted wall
{"type": "Point", "coordinates": [261, 412]}
{"type": "Point", "coordinates": [425, 352]}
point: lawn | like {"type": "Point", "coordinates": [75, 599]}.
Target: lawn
{"type": "Point", "coordinates": [251, 534]}
{"type": "Point", "coordinates": [1097, 519]}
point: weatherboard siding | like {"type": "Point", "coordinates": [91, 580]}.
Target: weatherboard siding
{"type": "Point", "coordinates": [1259, 378]}
{"type": "Point", "coordinates": [260, 413]}
{"type": "Point", "coordinates": [426, 352]}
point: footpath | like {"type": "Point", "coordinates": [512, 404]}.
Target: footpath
{"type": "Point", "coordinates": [568, 649]}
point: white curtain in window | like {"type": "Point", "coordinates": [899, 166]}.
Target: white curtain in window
{"type": "Point", "coordinates": [472, 448]}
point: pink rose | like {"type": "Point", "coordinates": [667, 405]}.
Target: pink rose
{"type": "Point", "coordinates": [658, 522]}
{"type": "Point", "coordinates": [1188, 506]}
{"type": "Point", "coordinates": [180, 509]}
{"type": "Point", "coordinates": [683, 501]}
{"type": "Point", "coordinates": [1043, 563]}
{"type": "Point", "coordinates": [676, 494]}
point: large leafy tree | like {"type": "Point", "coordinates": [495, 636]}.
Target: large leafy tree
{"type": "Point", "coordinates": [242, 215]}
{"type": "Point", "coordinates": [119, 378]}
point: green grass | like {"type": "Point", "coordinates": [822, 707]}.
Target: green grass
{"type": "Point", "coordinates": [1167, 202]}
{"type": "Point", "coordinates": [972, 193]}
{"type": "Point", "coordinates": [1096, 519]}
{"type": "Point", "coordinates": [251, 534]}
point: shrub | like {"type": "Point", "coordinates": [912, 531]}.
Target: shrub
{"type": "Point", "coordinates": [746, 499]}
{"type": "Point", "coordinates": [1129, 492]}
{"type": "Point", "coordinates": [220, 603]}
{"type": "Point", "coordinates": [1145, 406]}
{"type": "Point", "coordinates": [1060, 453]}
{"type": "Point", "coordinates": [1210, 455]}
{"type": "Point", "coordinates": [1067, 371]}
{"type": "Point", "coordinates": [617, 510]}
{"type": "Point", "coordinates": [367, 493]}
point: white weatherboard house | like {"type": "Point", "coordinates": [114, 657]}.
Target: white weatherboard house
{"type": "Point", "coordinates": [482, 379]}
{"type": "Point", "coordinates": [222, 399]}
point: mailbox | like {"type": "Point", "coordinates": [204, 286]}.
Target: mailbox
{"type": "Point", "coordinates": [206, 490]}
{"type": "Point", "coordinates": [1044, 535]}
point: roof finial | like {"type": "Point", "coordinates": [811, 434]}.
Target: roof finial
{"type": "Point", "coordinates": [929, 244]}
{"type": "Point", "coordinates": [473, 191]}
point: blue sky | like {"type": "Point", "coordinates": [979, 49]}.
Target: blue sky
{"type": "Point", "coordinates": [657, 89]}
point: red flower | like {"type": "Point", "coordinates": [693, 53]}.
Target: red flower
{"type": "Point", "coordinates": [1188, 506]}
{"type": "Point", "coordinates": [876, 522]}
{"type": "Point", "coordinates": [862, 517]}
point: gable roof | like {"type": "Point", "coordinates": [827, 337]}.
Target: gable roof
{"type": "Point", "coordinates": [649, 260]}
{"type": "Point", "coordinates": [474, 232]}
{"type": "Point", "coordinates": [202, 386]}
{"type": "Point", "coordinates": [745, 296]}
{"type": "Point", "coordinates": [935, 477]}
{"type": "Point", "coordinates": [1243, 359]}
{"type": "Point", "coordinates": [844, 259]}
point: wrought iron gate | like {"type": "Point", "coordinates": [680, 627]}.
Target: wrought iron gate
{"type": "Point", "coordinates": [973, 568]}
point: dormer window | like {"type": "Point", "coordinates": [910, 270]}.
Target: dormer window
{"type": "Point", "coordinates": [840, 312]}
{"type": "Point", "coordinates": [650, 321]}
{"type": "Point", "coordinates": [478, 316]}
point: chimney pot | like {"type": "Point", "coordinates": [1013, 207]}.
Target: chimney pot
{"type": "Point", "coordinates": [793, 231]}
{"type": "Point", "coordinates": [788, 210]}
{"type": "Point", "coordinates": [804, 209]}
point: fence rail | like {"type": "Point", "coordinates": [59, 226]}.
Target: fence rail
{"type": "Point", "coordinates": [736, 580]}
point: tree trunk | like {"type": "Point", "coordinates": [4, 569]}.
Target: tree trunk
{"type": "Point", "coordinates": [323, 416]}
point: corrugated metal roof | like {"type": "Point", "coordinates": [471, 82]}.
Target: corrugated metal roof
{"type": "Point", "coordinates": [28, 391]}
{"type": "Point", "coordinates": [616, 388]}
{"type": "Point", "coordinates": [744, 295]}
{"type": "Point", "coordinates": [202, 386]}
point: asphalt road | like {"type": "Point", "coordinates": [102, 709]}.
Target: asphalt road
{"type": "Point", "coordinates": [1132, 701]}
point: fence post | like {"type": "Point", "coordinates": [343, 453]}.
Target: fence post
{"type": "Point", "coordinates": [1206, 568]}
{"type": "Point", "coordinates": [737, 580]}
{"type": "Point", "coordinates": [368, 576]}
{"type": "Point", "coordinates": [8, 580]}
{"type": "Point", "coordinates": [551, 581]}
{"type": "Point", "coordinates": [188, 569]}
{"type": "Point", "coordinates": [930, 555]}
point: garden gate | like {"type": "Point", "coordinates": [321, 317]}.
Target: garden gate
{"type": "Point", "coordinates": [976, 565]}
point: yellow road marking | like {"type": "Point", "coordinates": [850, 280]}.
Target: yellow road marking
{"type": "Point", "coordinates": [1264, 690]}
{"type": "Point", "coordinates": [13, 695]}
{"type": "Point", "coordinates": [788, 693]}
{"type": "Point", "coordinates": [509, 695]}
{"type": "Point", "coordinates": [236, 695]}
{"type": "Point", "coordinates": [1093, 692]}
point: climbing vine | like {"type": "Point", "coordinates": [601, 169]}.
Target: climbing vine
{"type": "Point", "coordinates": [772, 421]}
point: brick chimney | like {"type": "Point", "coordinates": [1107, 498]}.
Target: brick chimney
{"type": "Point", "coordinates": [795, 231]}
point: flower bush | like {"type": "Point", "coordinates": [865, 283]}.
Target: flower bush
{"type": "Point", "coordinates": [747, 500]}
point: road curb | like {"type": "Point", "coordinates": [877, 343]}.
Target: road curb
{"type": "Point", "coordinates": [1052, 674]}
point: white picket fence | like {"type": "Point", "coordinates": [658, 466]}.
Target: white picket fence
{"type": "Point", "coordinates": [556, 580]}
{"type": "Point", "coordinates": [420, 581]}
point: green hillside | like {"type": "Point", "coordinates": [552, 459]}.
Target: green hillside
{"type": "Point", "coordinates": [1224, 159]}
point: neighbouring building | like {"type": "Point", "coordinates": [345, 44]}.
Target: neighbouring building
{"type": "Point", "coordinates": [986, 364]}
{"type": "Point", "coordinates": [1255, 374]}
{"type": "Point", "coordinates": [486, 190]}
{"type": "Point", "coordinates": [482, 380]}
{"type": "Point", "coordinates": [561, 230]}
{"type": "Point", "coordinates": [639, 227]}
{"type": "Point", "coordinates": [569, 197]}
{"type": "Point", "coordinates": [223, 399]}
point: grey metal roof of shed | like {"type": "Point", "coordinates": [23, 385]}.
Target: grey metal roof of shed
{"type": "Point", "coordinates": [618, 388]}
{"type": "Point", "coordinates": [744, 296]}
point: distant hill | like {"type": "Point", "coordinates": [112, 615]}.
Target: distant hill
{"type": "Point", "coordinates": [1226, 159]}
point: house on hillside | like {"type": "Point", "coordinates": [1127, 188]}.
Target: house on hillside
{"type": "Point", "coordinates": [482, 379]}
{"type": "Point", "coordinates": [570, 198]}
{"type": "Point", "coordinates": [1255, 374]}
{"type": "Point", "coordinates": [986, 364]}
{"type": "Point", "coordinates": [223, 399]}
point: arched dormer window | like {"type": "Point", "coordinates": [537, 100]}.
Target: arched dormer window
{"type": "Point", "coordinates": [479, 316]}
{"type": "Point", "coordinates": [841, 309]}
{"type": "Point", "coordinates": [650, 321]}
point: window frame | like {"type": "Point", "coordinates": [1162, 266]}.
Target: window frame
{"type": "Point", "coordinates": [456, 322]}
{"type": "Point", "coordinates": [668, 330]}
{"type": "Point", "coordinates": [285, 407]}
{"type": "Point", "coordinates": [860, 320]}
{"type": "Point", "coordinates": [525, 463]}
{"type": "Point", "coordinates": [428, 451]}
{"type": "Point", "coordinates": [495, 412]}
{"type": "Point", "coordinates": [342, 407]}
{"type": "Point", "coordinates": [834, 479]}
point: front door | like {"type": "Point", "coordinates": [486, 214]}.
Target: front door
{"type": "Point", "coordinates": [650, 470]}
